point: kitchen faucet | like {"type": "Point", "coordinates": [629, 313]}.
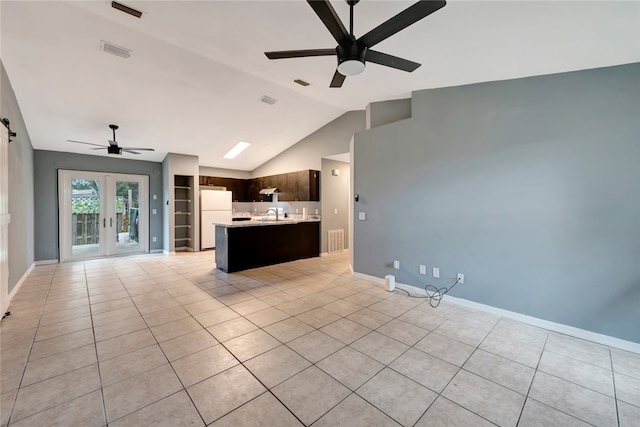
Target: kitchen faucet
{"type": "Point", "coordinates": [274, 210]}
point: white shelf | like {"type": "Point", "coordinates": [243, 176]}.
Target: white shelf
{"type": "Point", "coordinates": [182, 226]}
{"type": "Point", "coordinates": [182, 187]}
{"type": "Point", "coordinates": [183, 239]}
{"type": "Point", "coordinates": [183, 200]}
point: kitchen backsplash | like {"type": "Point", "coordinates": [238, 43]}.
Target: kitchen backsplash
{"type": "Point", "coordinates": [239, 208]}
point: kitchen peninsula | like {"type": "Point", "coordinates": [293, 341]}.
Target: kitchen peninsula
{"type": "Point", "coordinates": [250, 244]}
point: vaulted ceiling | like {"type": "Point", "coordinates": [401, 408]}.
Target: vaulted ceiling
{"type": "Point", "coordinates": [197, 71]}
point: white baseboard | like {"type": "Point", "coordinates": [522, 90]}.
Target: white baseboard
{"type": "Point", "coordinates": [16, 288]}
{"type": "Point", "coordinates": [529, 320]}
{"type": "Point", "coordinates": [47, 262]}
{"type": "Point", "coordinates": [156, 251]}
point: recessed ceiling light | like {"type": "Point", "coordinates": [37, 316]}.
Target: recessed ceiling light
{"type": "Point", "coordinates": [237, 149]}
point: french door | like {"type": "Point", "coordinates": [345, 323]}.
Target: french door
{"type": "Point", "coordinates": [102, 214]}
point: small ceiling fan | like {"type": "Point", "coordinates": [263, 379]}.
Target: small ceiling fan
{"type": "Point", "coordinates": [353, 53]}
{"type": "Point", "coordinates": [113, 147]}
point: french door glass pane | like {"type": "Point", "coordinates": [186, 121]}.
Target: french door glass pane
{"type": "Point", "coordinates": [127, 216]}
{"type": "Point", "coordinates": [85, 216]}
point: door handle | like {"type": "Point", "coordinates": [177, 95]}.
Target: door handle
{"type": "Point", "coordinates": [111, 222]}
{"type": "Point", "coordinates": [104, 222]}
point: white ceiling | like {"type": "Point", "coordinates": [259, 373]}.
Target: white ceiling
{"type": "Point", "coordinates": [197, 70]}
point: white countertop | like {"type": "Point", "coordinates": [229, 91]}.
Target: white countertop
{"type": "Point", "coordinates": [261, 223]}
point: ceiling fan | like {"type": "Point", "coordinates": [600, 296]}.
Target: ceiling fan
{"type": "Point", "coordinates": [113, 147]}
{"type": "Point", "coordinates": [353, 53]}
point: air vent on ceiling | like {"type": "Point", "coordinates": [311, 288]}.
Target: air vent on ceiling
{"type": "Point", "coordinates": [268, 100]}
{"type": "Point", "coordinates": [301, 82]}
{"type": "Point", "coordinates": [115, 50]}
{"type": "Point", "coordinates": [126, 9]}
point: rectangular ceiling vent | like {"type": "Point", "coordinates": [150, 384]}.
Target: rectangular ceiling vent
{"type": "Point", "coordinates": [268, 100]}
{"type": "Point", "coordinates": [126, 9]}
{"type": "Point", "coordinates": [301, 82]}
{"type": "Point", "coordinates": [115, 50]}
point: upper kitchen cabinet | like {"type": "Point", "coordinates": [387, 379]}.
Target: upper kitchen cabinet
{"type": "Point", "coordinates": [238, 187]}
{"type": "Point", "coordinates": [254, 185]}
{"type": "Point", "coordinates": [309, 186]}
{"type": "Point", "coordinates": [302, 186]}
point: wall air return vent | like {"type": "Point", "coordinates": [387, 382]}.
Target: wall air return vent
{"type": "Point", "coordinates": [115, 50]}
{"type": "Point", "coordinates": [126, 9]}
{"type": "Point", "coordinates": [268, 100]}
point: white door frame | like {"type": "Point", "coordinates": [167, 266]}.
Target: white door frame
{"type": "Point", "coordinates": [107, 242]}
{"type": "Point", "coordinates": [5, 219]}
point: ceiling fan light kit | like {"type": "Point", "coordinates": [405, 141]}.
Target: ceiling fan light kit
{"type": "Point", "coordinates": [113, 147]}
{"type": "Point", "coordinates": [352, 53]}
{"type": "Point", "coordinates": [351, 62]}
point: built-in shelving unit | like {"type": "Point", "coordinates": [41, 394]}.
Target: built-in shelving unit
{"type": "Point", "coordinates": [183, 212]}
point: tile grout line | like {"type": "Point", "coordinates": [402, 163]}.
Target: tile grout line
{"type": "Point", "coordinates": [95, 346]}
{"type": "Point", "coordinates": [615, 390]}
{"type": "Point", "coordinates": [533, 379]}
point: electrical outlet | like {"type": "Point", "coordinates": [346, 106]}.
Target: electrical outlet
{"type": "Point", "coordinates": [154, 239]}
{"type": "Point", "coordinates": [335, 211]}
{"type": "Point", "coordinates": [435, 272]}
{"type": "Point", "coordinates": [460, 278]}
{"type": "Point", "coordinates": [396, 265]}
{"type": "Point", "coordinates": [362, 216]}
{"type": "Point", "coordinates": [423, 269]}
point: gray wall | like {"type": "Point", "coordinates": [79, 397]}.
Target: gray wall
{"type": "Point", "coordinates": [21, 240]}
{"type": "Point", "coordinates": [385, 112]}
{"type": "Point", "coordinates": [530, 187]}
{"type": "Point", "coordinates": [224, 173]}
{"type": "Point", "coordinates": [329, 140]}
{"type": "Point", "coordinates": [46, 165]}
{"type": "Point", "coordinates": [334, 195]}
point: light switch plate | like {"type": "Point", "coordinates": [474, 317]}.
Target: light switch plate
{"type": "Point", "coordinates": [362, 216]}
{"type": "Point", "coordinates": [436, 272]}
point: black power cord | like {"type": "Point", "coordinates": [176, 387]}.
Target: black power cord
{"type": "Point", "coordinates": [434, 294]}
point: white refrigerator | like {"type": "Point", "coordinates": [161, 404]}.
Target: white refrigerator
{"type": "Point", "coordinates": [215, 208]}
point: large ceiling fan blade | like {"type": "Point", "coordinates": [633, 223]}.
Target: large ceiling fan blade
{"type": "Point", "coordinates": [87, 143]}
{"type": "Point", "coordinates": [284, 54]}
{"type": "Point", "coordinates": [138, 149]}
{"type": "Point", "coordinates": [330, 18]}
{"type": "Point", "coordinates": [401, 21]}
{"type": "Point", "coordinates": [337, 80]}
{"type": "Point", "coordinates": [391, 61]}
{"type": "Point", "coordinates": [126, 150]}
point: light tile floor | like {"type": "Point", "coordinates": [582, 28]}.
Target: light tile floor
{"type": "Point", "coordinates": [170, 341]}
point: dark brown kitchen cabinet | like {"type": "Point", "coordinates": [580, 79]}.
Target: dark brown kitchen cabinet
{"type": "Point", "coordinates": [238, 187]}
{"type": "Point", "coordinates": [303, 186]}
{"type": "Point", "coordinates": [309, 185]}
{"type": "Point", "coordinates": [285, 193]}
{"type": "Point", "coordinates": [253, 189]}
